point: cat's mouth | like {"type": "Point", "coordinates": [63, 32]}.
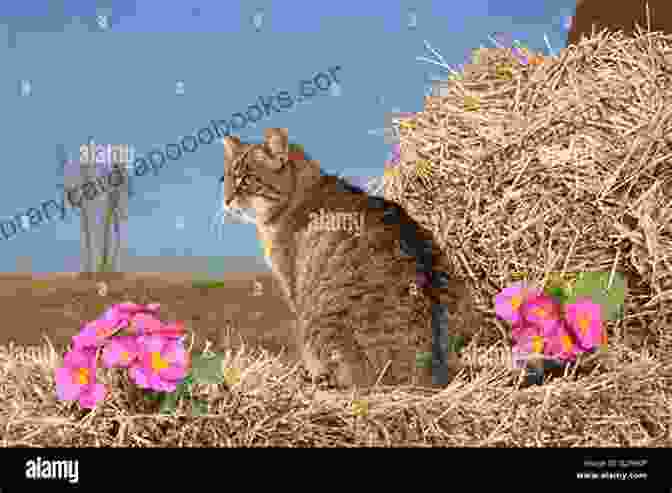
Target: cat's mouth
{"type": "Point", "coordinates": [230, 209]}
{"type": "Point", "coordinates": [228, 201]}
{"type": "Point", "coordinates": [225, 201]}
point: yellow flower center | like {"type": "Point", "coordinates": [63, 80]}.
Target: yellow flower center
{"type": "Point", "coordinates": [81, 376]}
{"type": "Point", "coordinates": [125, 356]}
{"type": "Point", "coordinates": [537, 344]}
{"type": "Point", "coordinates": [584, 323]}
{"type": "Point", "coordinates": [540, 312]}
{"type": "Point", "coordinates": [566, 343]}
{"type": "Point", "coordinates": [516, 301]}
{"type": "Point", "coordinates": [158, 363]}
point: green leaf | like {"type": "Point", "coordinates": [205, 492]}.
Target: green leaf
{"type": "Point", "coordinates": [616, 295]}
{"type": "Point", "coordinates": [152, 396]}
{"type": "Point", "coordinates": [567, 290]}
{"type": "Point", "coordinates": [423, 360]}
{"type": "Point", "coordinates": [208, 284]}
{"type": "Point", "coordinates": [594, 285]}
{"type": "Point", "coordinates": [556, 292]}
{"type": "Point", "coordinates": [188, 380]}
{"type": "Point", "coordinates": [199, 407]}
{"type": "Point", "coordinates": [168, 403]}
{"type": "Point", "coordinates": [293, 147]}
{"type": "Point", "coordinates": [455, 343]}
{"type": "Point", "coordinates": [207, 369]}
{"type": "Point", "coordinates": [182, 389]}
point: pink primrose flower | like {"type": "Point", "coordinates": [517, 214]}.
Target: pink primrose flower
{"type": "Point", "coordinates": [76, 379]}
{"type": "Point", "coordinates": [562, 345]}
{"type": "Point", "coordinates": [542, 311]}
{"type": "Point", "coordinates": [163, 363]}
{"type": "Point", "coordinates": [510, 300]}
{"type": "Point", "coordinates": [122, 351]}
{"type": "Point", "coordinates": [585, 320]}
{"type": "Point", "coordinates": [95, 333]}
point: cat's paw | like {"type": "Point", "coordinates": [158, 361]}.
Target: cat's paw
{"type": "Point", "coordinates": [347, 372]}
{"type": "Point", "coordinates": [347, 375]}
{"type": "Point", "coordinates": [337, 365]}
{"type": "Point", "coordinates": [317, 370]}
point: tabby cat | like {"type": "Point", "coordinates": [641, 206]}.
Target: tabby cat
{"type": "Point", "coordinates": [366, 302]}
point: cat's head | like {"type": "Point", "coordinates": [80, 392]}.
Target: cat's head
{"type": "Point", "coordinates": [258, 178]}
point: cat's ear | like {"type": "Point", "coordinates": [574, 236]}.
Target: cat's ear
{"type": "Point", "coordinates": [231, 148]}
{"type": "Point", "coordinates": [277, 142]}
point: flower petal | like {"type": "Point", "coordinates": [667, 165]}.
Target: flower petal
{"type": "Point", "coordinates": [122, 351]}
{"type": "Point", "coordinates": [151, 343]}
{"type": "Point", "coordinates": [585, 321]}
{"type": "Point", "coordinates": [146, 324]}
{"type": "Point", "coordinates": [173, 373]}
{"type": "Point", "coordinates": [522, 330]}
{"type": "Point", "coordinates": [543, 312]}
{"type": "Point", "coordinates": [66, 389]}
{"type": "Point", "coordinates": [140, 376]}
{"type": "Point", "coordinates": [561, 344]}
{"type": "Point", "coordinates": [92, 395]}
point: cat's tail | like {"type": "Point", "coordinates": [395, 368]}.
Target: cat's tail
{"type": "Point", "coordinates": [449, 297]}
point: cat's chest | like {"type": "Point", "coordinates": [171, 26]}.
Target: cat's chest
{"type": "Point", "coordinates": [280, 250]}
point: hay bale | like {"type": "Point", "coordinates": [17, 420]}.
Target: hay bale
{"type": "Point", "coordinates": [601, 14]}
{"type": "Point", "coordinates": [558, 165]}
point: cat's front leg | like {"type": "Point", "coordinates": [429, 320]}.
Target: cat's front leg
{"type": "Point", "coordinates": [350, 370]}
{"type": "Point", "coordinates": [316, 368]}
{"type": "Point", "coordinates": [339, 362]}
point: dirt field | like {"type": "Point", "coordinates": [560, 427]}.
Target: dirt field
{"type": "Point", "coordinates": [57, 305]}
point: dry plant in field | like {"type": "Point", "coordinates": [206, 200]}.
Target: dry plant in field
{"type": "Point", "coordinates": [563, 164]}
{"type": "Point", "coordinates": [629, 405]}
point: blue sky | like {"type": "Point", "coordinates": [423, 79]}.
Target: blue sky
{"type": "Point", "coordinates": [119, 85]}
